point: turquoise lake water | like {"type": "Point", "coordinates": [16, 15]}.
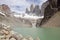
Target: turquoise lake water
{"type": "Point", "coordinates": [42, 33]}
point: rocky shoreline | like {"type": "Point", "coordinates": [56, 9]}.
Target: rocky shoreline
{"type": "Point", "coordinates": [7, 33]}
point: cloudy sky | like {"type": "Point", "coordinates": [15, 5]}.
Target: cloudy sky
{"type": "Point", "coordinates": [20, 5]}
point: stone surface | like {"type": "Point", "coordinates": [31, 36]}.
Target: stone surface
{"type": "Point", "coordinates": [5, 9]}
{"type": "Point", "coordinates": [10, 34]}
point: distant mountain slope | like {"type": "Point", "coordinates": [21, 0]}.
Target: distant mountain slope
{"type": "Point", "coordinates": [12, 21]}
{"type": "Point", "coordinates": [7, 17]}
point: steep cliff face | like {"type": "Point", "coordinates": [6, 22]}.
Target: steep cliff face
{"type": "Point", "coordinates": [48, 13]}
{"type": "Point", "coordinates": [53, 3]}
{"type": "Point", "coordinates": [54, 21]}
{"type": "Point", "coordinates": [34, 10]}
{"type": "Point", "coordinates": [48, 9]}
{"type": "Point", "coordinates": [45, 10]}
